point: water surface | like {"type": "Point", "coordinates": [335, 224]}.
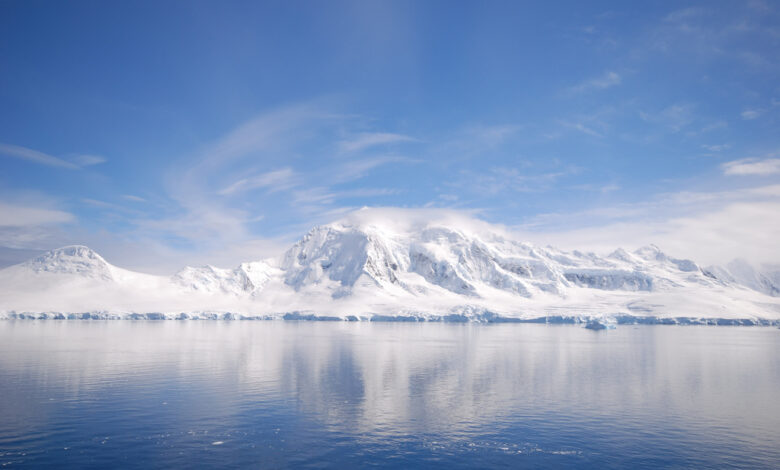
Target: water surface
{"type": "Point", "coordinates": [289, 394]}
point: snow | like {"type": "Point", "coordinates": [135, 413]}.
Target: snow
{"type": "Point", "coordinates": [372, 266]}
{"type": "Point", "coordinates": [75, 259]}
{"type": "Point", "coordinates": [245, 279]}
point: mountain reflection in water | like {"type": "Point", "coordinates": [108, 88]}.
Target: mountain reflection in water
{"type": "Point", "coordinates": [141, 394]}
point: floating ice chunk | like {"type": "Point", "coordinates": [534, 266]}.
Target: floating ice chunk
{"type": "Point", "coordinates": [600, 324]}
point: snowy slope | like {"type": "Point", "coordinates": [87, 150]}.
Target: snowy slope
{"type": "Point", "coordinates": [248, 278]}
{"type": "Point", "coordinates": [372, 268]}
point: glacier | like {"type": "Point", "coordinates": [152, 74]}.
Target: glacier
{"type": "Point", "coordinates": [371, 269]}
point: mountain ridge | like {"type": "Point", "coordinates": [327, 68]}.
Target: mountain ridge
{"type": "Point", "coordinates": [429, 270]}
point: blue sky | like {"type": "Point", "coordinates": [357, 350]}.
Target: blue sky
{"type": "Point", "coordinates": [167, 133]}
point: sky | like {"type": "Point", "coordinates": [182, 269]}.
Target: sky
{"type": "Point", "coordinates": [164, 134]}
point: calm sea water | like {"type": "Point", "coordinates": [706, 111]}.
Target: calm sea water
{"type": "Point", "coordinates": [104, 394]}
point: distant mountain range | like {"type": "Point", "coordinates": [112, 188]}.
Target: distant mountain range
{"type": "Point", "coordinates": [369, 270]}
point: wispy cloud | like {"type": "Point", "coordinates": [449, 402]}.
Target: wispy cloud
{"type": "Point", "coordinates": [366, 140]}
{"type": "Point", "coordinates": [596, 123]}
{"type": "Point", "coordinates": [319, 199]}
{"type": "Point", "coordinates": [493, 135]}
{"type": "Point", "coordinates": [197, 219]}
{"type": "Point", "coordinates": [750, 114]}
{"type": "Point", "coordinates": [675, 117]}
{"type": "Point", "coordinates": [475, 140]}
{"type": "Point", "coordinates": [98, 203]}
{"type": "Point", "coordinates": [272, 181]}
{"type": "Point", "coordinates": [315, 197]}
{"type": "Point", "coordinates": [244, 167]}
{"type": "Point", "coordinates": [603, 188]}
{"type": "Point", "coordinates": [685, 15]}
{"type": "Point", "coordinates": [709, 227]}
{"type": "Point", "coordinates": [35, 156]}
{"type": "Point", "coordinates": [716, 147]}
{"type": "Point", "coordinates": [265, 132]}
{"type": "Point", "coordinates": [88, 160]}
{"type": "Point", "coordinates": [15, 215]}
{"type": "Point", "coordinates": [706, 34]}
{"type": "Point", "coordinates": [609, 79]}
{"type": "Point", "coordinates": [110, 207]}
{"type": "Point", "coordinates": [752, 166]}
{"type": "Point", "coordinates": [711, 126]}
{"type": "Point", "coordinates": [582, 127]}
{"type": "Point", "coordinates": [498, 180]}
{"type": "Point", "coordinates": [358, 168]}
{"type": "Point", "coordinates": [30, 224]}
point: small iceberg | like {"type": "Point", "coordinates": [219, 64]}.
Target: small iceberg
{"type": "Point", "coordinates": [599, 324]}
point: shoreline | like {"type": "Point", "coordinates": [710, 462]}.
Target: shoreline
{"type": "Point", "coordinates": [481, 318]}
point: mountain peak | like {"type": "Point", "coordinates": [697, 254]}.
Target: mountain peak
{"type": "Point", "coordinates": [339, 251]}
{"type": "Point", "coordinates": [622, 255]}
{"type": "Point", "coordinates": [75, 250]}
{"type": "Point", "coordinates": [650, 252]}
{"type": "Point", "coordinates": [72, 259]}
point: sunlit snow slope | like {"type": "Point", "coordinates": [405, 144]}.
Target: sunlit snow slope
{"type": "Point", "coordinates": [366, 268]}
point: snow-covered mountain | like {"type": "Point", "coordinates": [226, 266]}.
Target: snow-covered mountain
{"type": "Point", "coordinates": [75, 259]}
{"type": "Point", "coordinates": [362, 268]}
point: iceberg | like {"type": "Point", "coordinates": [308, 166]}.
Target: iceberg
{"type": "Point", "coordinates": [600, 324]}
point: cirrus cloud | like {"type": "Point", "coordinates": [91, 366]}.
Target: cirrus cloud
{"type": "Point", "coordinates": [752, 166]}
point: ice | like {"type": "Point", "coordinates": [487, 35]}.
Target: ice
{"type": "Point", "coordinates": [600, 324]}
